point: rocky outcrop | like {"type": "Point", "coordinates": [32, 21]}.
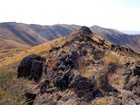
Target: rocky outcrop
{"type": "Point", "coordinates": [85, 31]}
{"type": "Point", "coordinates": [31, 67]}
{"type": "Point", "coordinates": [124, 50]}
{"type": "Point", "coordinates": [77, 74]}
{"type": "Point", "coordinates": [133, 81]}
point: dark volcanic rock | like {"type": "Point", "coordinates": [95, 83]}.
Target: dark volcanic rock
{"type": "Point", "coordinates": [111, 68]}
{"type": "Point", "coordinates": [85, 31]}
{"type": "Point", "coordinates": [133, 85]}
{"type": "Point", "coordinates": [54, 49]}
{"type": "Point", "coordinates": [82, 83]}
{"type": "Point", "coordinates": [24, 69]}
{"type": "Point", "coordinates": [84, 87]}
{"type": "Point", "coordinates": [76, 73]}
{"type": "Point", "coordinates": [62, 81]}
{"type": "Point", "coordinates": [136, 71]}
{"type": "Point", "coordinates": [44, 86]}
{"type": "Point", "coordinates": [37, 70]}
{"type": "Point", "coordinates": [133, 80]}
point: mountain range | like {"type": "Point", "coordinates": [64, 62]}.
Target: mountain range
{"type": "Point", "coordinates": [19, 36]}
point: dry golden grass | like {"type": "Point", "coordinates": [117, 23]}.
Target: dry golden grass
{"type": "Point", "coordinates": [111, 57]}
{"type": "Point", "coordinates": [117, 80]}
{"type": "Point", "coordinates": [42, 49]}
{"type": "Point", "coordinates": [35, 50]}
{"type": "Point", "coordinates": [101, 101]}
{"type": "Point", "coordinates": [99, 39]}
{"type": "Point", "coordinates": [9, 47]}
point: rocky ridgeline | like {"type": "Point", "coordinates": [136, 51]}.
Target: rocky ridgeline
{"type": "Point", "coordinates": [124, 50]}
{"type": "Point", "coordinates": [75, 74]}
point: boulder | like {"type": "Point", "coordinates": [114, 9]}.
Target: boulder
{"type": "Point", "coordinates": [24, 69]}
{"type": "Point", "coordinates": [62, 81]}
{"type": "Point", "coordinates": [83, 87]}
{"type": "Point", "coordinates": [85, 31]}
{"type": "Point", "coordinates": [37, 70]}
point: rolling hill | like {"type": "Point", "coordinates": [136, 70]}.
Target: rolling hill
{"type": "Point", "coordinates": [33, 34]}
{"type": "Point", "coordinates": [19, 36]}
{"type": "Point", "coordinates": [24, 36]}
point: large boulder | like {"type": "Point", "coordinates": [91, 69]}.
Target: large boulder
{"type": "Point", "coordinates": [37, 70]}
{"type": "Point", "coordinates": [29, 64]}
{"type": "Point", "coordinates": [85, 31]}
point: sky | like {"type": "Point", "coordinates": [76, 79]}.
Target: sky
{"type": "Point", "coordinates": [117, 14]}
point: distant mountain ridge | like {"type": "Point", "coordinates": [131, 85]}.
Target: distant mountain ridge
{"type": "Point", "coordinates": [32, 34]}
{"type": "Point", "coordinates": [119, 38]}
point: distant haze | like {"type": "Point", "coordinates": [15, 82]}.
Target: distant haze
{"type": "Point", "coordinates": [117, 14]}
{"type": "Point", "coordinates": [131, 32]}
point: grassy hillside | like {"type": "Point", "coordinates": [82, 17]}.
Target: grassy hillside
{"type": "Point", "coordinates": [10, 47]}
{"type": "Point", "coordinates": [8, 66]}
{"type": "Point", "coordinates": [31, 34]}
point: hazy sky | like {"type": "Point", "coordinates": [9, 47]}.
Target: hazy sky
{"type": "Point", "coordinates": [118, 14]}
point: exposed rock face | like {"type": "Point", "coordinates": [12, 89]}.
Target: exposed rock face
{"type": "Point", "coordinates": [133, 81]}
{"type": "Point", "coordinates": [31, 67]}
{"type": "Point", "coordinates": [76, 74]}
{"type": "Point", "coordinates": [85, 31]}
{"type": "Point", "coordinates": [124, 50]}
{"type": "Point", "coordinates": [37, 70]}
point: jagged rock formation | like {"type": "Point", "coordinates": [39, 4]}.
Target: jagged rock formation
{"type": "Point", "coordinates": [78, 73]}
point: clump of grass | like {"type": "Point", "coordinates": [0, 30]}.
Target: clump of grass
{"type": "Point", "coordinates": [111, 57]}
{"type": "Point", "coordinates": [11, 89]}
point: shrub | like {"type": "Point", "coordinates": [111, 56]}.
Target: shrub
{"type": "Point", "coordinates": [11, 89]}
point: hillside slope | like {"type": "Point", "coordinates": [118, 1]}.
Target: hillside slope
{"type": "Point", "coordinates": [32, 34]}
{"type": "Point", "coordinates": [119, 38]}
{"type": "Point", "coordinates": [10, 47]}
{"type": "Point", "coordinates": [81, 68]}
{"type": "Point", "coordinates": [25, 35]}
